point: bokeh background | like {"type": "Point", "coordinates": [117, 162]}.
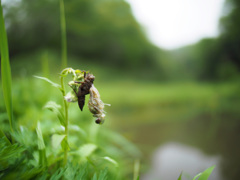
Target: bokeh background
{"type": "Point", "coordinates": [180, 107]}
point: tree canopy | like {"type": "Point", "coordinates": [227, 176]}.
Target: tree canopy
{"type": "Point", "coordinates": [97, 30]}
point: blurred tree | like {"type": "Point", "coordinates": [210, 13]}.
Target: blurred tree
{"type": "Point", "coordinates": [230, 39]}
{"type": "Point", "coordinates": [222, 55]}
{"type": "Point", "coordinates": [214, 58]}
{"type": "Point", "coordinates": [32, 25]}
{"type": "Point", "coordinates": [103, 31]}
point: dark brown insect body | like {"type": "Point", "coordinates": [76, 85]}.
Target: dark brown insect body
{"type": "Point", "coordinates": [83, 89]}
{"type": "Point", "coordinates": [98, 121]}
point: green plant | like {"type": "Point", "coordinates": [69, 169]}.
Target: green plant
{"type": "Point", "coordinates": [6, 70]}
{"type": "Point", "coordinates": [63, 34]}
{"type": "Point", "coordinates": [81, 84]}
{"type": "Point", "coordinates": [201, 176]}
{"type": "Point", "coordinates": [46, 150]}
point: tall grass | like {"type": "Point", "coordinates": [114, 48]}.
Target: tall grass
{"type": "Point", "coordinates": [6, 70]}
{"type": "Point", "coordinates": [64, 65]}
{"type": "Point", "coordinates": [63, 35]}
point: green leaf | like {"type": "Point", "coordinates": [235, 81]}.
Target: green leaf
{"type": "Point", "coordinates": [75, 128]}
{"type": "Point", "coordinates": [41, 144]}
{"type": "Point", "coordinates": [86, 150]}
{"type": "Point", "coordinates": [94, 176]}
{"type": "Point", "coordinates": [56, 109]}
{"type": "Point", "coordinates": [2, 135]}
{"type": "Point", "coordinates": [195, 177]}
{"type": "Point", "coordinates": [71, 171]}
{"type": "Point", "coordinates": [58, 174]}
{"type": "Point", "coordinates": [9, 152]}
{"type": "Point", "coordinates": [82, 173]}
{"type": "Point", "coordinates": [6, 70]}
{"type": "Point", "coordinates": [56, 140]}
{"type": "Point", "coordinates": [103, 174]}
{"type": "Point", "coordinates": [30, 173]}
{"type": "Point", "coordinates": [111, 160]}
{"type": "Point", "coordinates": [41, 147]}
{"type": "Point", "coordinates": [205, 174]}
{"type": "Point", "coordinates": [180, 177]}
{"type": "Point", "coordinates": [42, 157]}
{"type": "Point", "coordinates": [49, 81]}
{"type": "Point", "coordinates": [65, 145]}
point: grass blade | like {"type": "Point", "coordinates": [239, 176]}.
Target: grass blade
{"type": "Point", "coordinates": [197, 176]}
{"type": "Point", "coordinates": [111, 160]}
{"type": "Point", "coordinates": [205, 174]}
{"type": "Point", "coordinates": [2, 135]}
{"type": "Point", "coordinates": [41, 147]}
{"type": "Point", "coordinates": [180, 176]}
{"type": "Point", "coordinates": [49, 81]}
{"type": "Point", "coordinates": [136, 169]}
{"type": "Point", "coordinates": [63, 35]}
{"type": "Point", "coordinates": [6, 70]}
{"type": "Point", "coordinates": [103, 174]}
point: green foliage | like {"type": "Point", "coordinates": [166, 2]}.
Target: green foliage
{"type": "Point", "coordinates": [49, 81]}
{"type": "Point", "coordinates": [9, 153]}
{"type": "Point", "coordinates": [97, 30]}
{"type": "Point", "coordinates": [6, 70]}
{"type": "Point", "coordinates": [58, 174]}
{"type": "Point", "coordinates": [102, 175]}
{"type": "Point", "coordinates": [41, 147]}
{"type": "Point", "coordinates": [201, 176]}
{"type": "Point", "coordinates": [15, 162]}
{"type": "Point", "coordinates": [99, 33]}
{"type": "Point", "coordinates": [57, 140]}
{"type": "Point", "coordinates": [86, 150]}
{"type": "Point", "coordinates": [180, 176]}
{"type": "Point", "coordinates": [37, 156]}
{"type": "Point", "coordinates": [205, 174]}
{"type": "Point", "coordinates": [56, 109]}
{"type": "Point", "coordinates": [212, 58]}
{"type": "Point", "coordinates": [111, 161]}
{"type": "Point", "coordinates": [83, 145]}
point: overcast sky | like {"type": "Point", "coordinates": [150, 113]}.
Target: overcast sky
{"type": "Point", "coordinates": [173, 23]}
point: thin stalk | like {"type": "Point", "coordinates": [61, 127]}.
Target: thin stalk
{"type": "Point", "coordinates": [63, 35]}
{"type": "Point", "coordinates": [6, 70]}
{"type": "Point", "coordinates": [64, 65]}
{"type": "Point", "coordinates": [136, 169]}
{"type": "Point", "coordinates": [66, 119]}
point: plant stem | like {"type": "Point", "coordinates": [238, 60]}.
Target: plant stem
{"type": "Point", "coordinates": [66, 119]}
{"type": "Point", "coordinates": [64, 65]}
{"type": "Point", "coordinates": [63, 35]}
